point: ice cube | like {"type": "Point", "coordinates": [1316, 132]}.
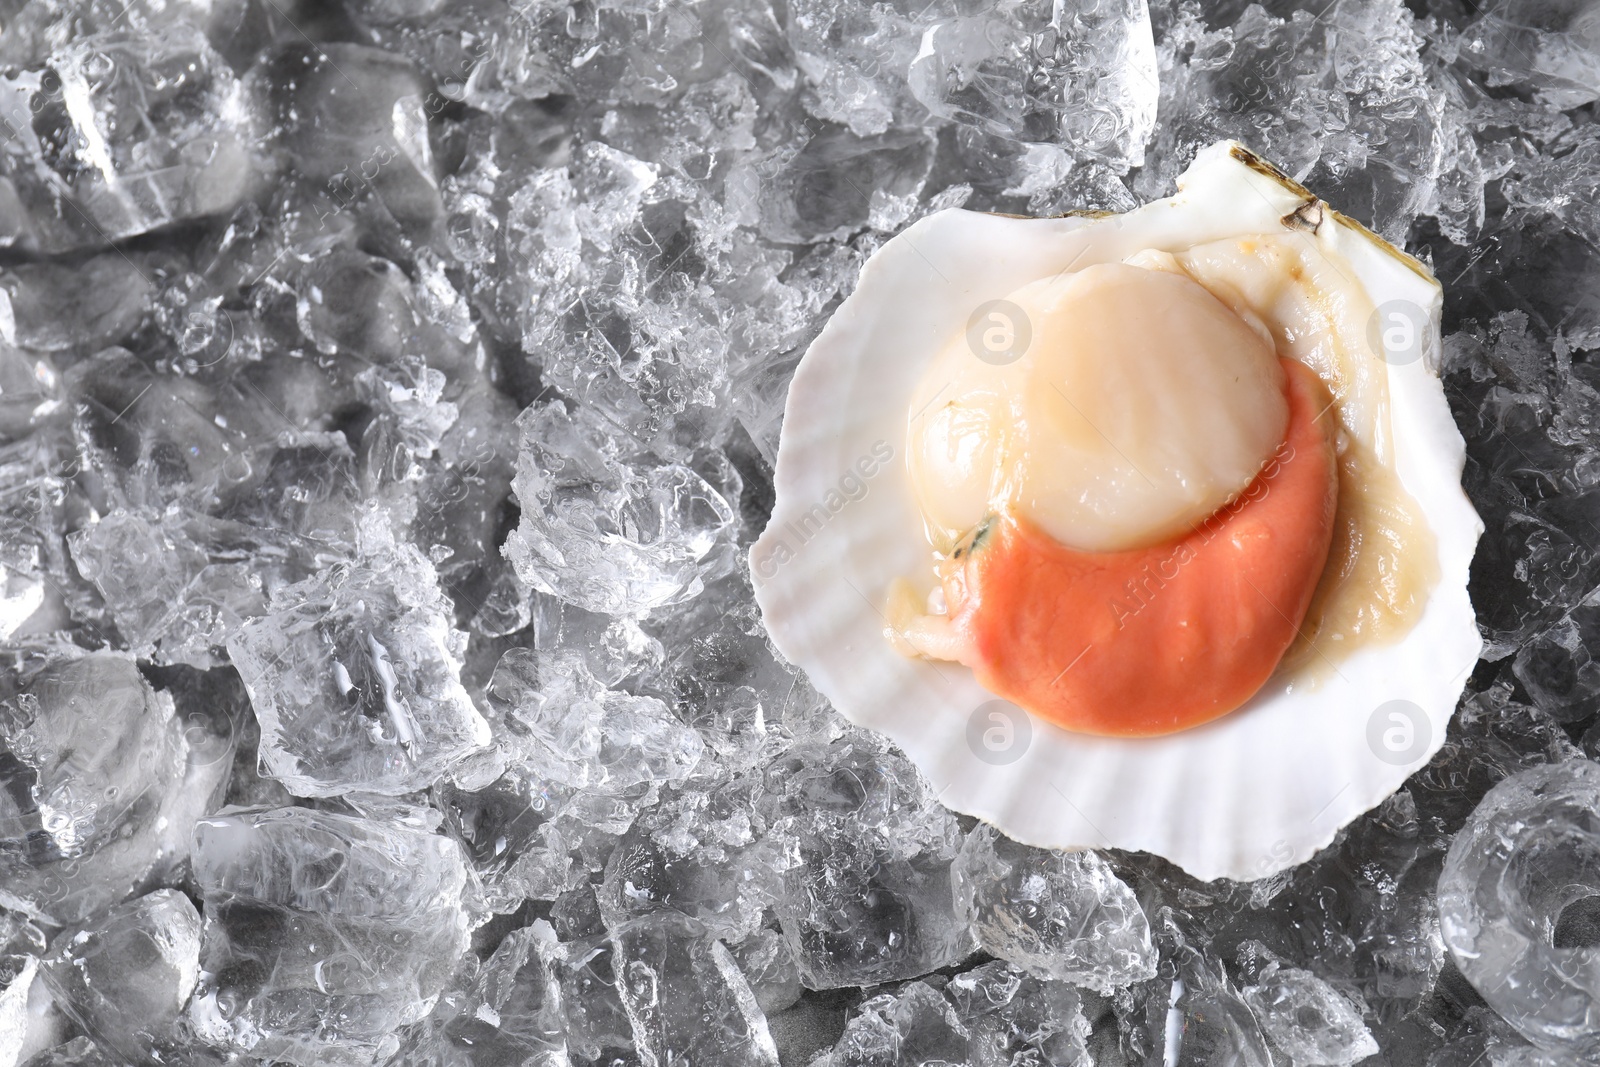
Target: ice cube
{"type": "Point", "coordinates": [1310, 1021]}
{"type": "Point", "coordinates": [180, 585]}
{"type": "Point", "coordinates": [353, 120]}
{"type": "Point", "coordinates": [768, 965]}
{"type": "Point", "coordinates": [564, 725]}
{"type": "Point", "coordinates": [98, 803]}
{"type": "Point", "coordinates": [1057, 915]}
{"type": "Point", "coordinates": [126, 976]}
{"type": "Point", "coordinates": [1013, 1016]}
{"type": "Point", "coordinates": [686, 998]}
{"type": "Point", "coordinates": [1520, 877]}
{"type": "Point", "coordinates": [511, 1014]}
{"type": "Point", "coordinates": [1553, 48]}
{"type": "Point", "coordinates": [865, 896]}
{"type": "Point", "coordinates": [701, 852]}
{"type": "Point", "coordinates": [123, 133]}
{"type": "Point", "coordinates": [79, 1052]}
{"type": "Point", "coordinates": [917, 1026]}
{"type": "Point", "coordinates": [509, 832]}
{"type": "Point", "coordinates": [323, 933]}
{"type": "Point", "coordinates": [607, 527]}
{"type": "Point", "coordinates": [355, 676]}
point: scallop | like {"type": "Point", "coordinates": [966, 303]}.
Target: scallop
{"type": "Point", "coordinates": [1116, 384]}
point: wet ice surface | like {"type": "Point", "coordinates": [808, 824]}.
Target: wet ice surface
{"type": "Point", "coordinates": [389, 390]}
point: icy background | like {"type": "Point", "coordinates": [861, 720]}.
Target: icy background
{"type": "Point", "coordinates": [388, 394]}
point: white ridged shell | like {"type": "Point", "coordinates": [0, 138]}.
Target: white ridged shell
{"type": "Point", "coordinates": [1243, 797]}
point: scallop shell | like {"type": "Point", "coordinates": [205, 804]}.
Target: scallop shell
{"type": "Point", "coordinates": [1243, 797]}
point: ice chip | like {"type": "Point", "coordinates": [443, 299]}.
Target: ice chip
{"type": "Point", "coordinates": [701, 852]}
{"type": "Point", "coordinates": [1557, 668]}
{"type": "Point", "coordinates": [79, 1052]}
{"type": "Point", "coordinates": [917, 1026]}
{"type": "Point", "coordinates": [1310, 1021]}
{"type": "Point", "coordinates": [1056, 915]}
{"type": "Point", "coordinates": [323, 933]}
{"type": "Point", "coordinates": [98, 764]}
{"type": "Point", "coordinates": [87, 306]}
{"type": "Point", "coordinates": [1522, 871]}
{"type": "Point", "coordinates": [355, 676]}
{"type": "Point", "coordinates": [565, 726]}
{"type": "Point", "coordinates": [768, 965]}
{"type": "Point", "coordinates": [30, 387]}
{"type": "Point", "coordinates": [123, 133]}
{"type": "Point", "coordinates": [686, 998]}
{"type": "Point", "coordinates": [180, 585]}
{"type": "Point", "coordinates": [1341, 101]}
{"type": "Point", "coordinates": [511, 1014]}
{"type": "Point", "coordinates": [20, 1028]}
{"type": "Point", "coordinates": [509, 832]}
{"type": "Point", "coordinates": [597, 1025]}
{"type": "Point", "coordinates": [609, 185]}
{"type": "Point", "coordinates": [1105, 72]}
{"type": "Point", "coordinates": [1553, 48]}
{"type": "Point", "coordinates": [1203, 1020]}
{"type": "Point", "coordinates": [838, 180]}
{"type": "Point", "coordinates": [607, 528]}
{"type": "Point", "coordinates": [866, 894]}
{"type": "Point", "coordinates": [352, 119]}
{"type": "Point", "coordinates": [845, 54]}
{"type": "Point", "coordinates": [1013, 1016]}
{"type": "Point", "coordinates": [126, 977]}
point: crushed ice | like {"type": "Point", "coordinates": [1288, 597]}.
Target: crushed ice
{"type": "Point", "coordinates": [352, 717]}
